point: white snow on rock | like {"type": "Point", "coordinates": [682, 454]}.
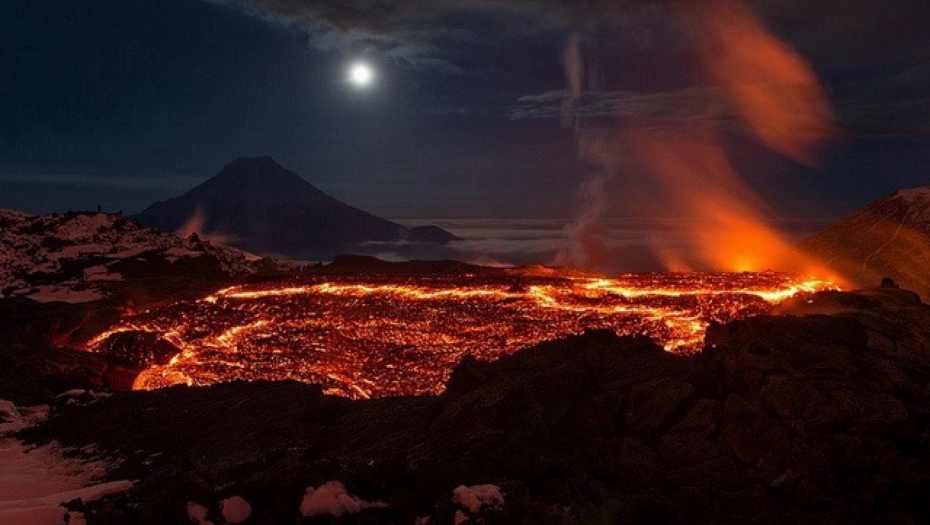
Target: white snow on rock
{"type": "Point", "coordinates": [235, 509]}
{"type": "Point", "coordinates": [36, 516]}
{"type": "Point", "coordinates": [13, 418]}
{"type": "Point", "coordinates": [197, 512]}
{"type": "Point", "coordinates": [68, 257]}
{"type": "Point", "coordinates": [80, 396]}
{"type": "Point", "coordinates": [65, 294]}
{"type": "Point", "coordinates": [475, 497]}
{"type": "Point", "coordinates": [333, 499]}
{"type": "Point", "coordinates": [36, 481]}
{"type": "Point", "coordinates": [176, 253]}
{"type": "Point", "coordinates": [8, 412]}
{"type": "Point", "coordinates": [101, 273]}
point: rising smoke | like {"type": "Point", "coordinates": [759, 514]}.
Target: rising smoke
{"type": "Point", "coordinates": [774, 96]}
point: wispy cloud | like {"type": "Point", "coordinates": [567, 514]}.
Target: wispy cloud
{"type": "Point", "coordinates": [697, 104]}
{"type": "Point", "coordinates": [161, 182]}
{"type": "Point", "coordinates": [425, 33]}
{"type": "Point", "coordinates": [839, 37]}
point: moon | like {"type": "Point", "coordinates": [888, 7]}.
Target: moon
{"type": "Point", "coordinates": [361, 74]}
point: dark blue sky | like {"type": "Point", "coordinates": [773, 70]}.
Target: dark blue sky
{"type": "Point", "coordinates": [124, 102]}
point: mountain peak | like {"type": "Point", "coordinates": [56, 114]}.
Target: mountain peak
{"type": "Point", "coordinates": [256, 170]}
{"type": "Point", "coordinates": [921, 193]}
{"type": "Point", "coordinates": [263, 207]}
{"type": "Point", "coordinates": [261, 161]}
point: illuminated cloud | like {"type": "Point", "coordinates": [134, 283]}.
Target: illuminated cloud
{"type": "Point", "coordinates": [425, 33]}
{"type": "Point", "coordinates": [442, 35]}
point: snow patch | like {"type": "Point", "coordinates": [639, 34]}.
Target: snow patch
{"type": "Point", "coordinates": [8, 412]}
{"type": "Point", "coordinates": [197, 512]}
{"type": "Point", "coordinates": [80, 396]}
{"type": "Point", "coordinates": [65, 294]}
{"type": "Point", "coordinates": [101, 273]}
{"type": "Point", "coordinates": [75, 252]}
{"type": "Point", "coordinates": [333, 499]}
{"type": "Point", "coordinates": [173, 254]}
{"type": "Point", "coordinates": [37, 516]}
{"type": "Point", "coordinates": [47, 257]}
{"type": "Point", "coordinates": [235, 509]}
{"type": "Point", "coordinates": [475, 497]}
{"type": "Point", "coordinates": [36, 481]}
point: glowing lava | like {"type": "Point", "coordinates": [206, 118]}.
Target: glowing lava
{"type": "Point", "coordinates": [398, 336]}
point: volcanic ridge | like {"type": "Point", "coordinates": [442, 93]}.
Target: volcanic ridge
{"type": "Point", "coordinates": [886, 238]}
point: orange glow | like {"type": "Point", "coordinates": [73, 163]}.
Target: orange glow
{"type": "Point", "coordinates": [397, 336]}
{"type": "Point", "coordinates": [777, 95]}
{"type": "Point", "coordinates": [723, 217]}
{"type": "Point", "coordinates": [774, 90]}
{"type": "Point", "coordinates": [196, 225]}
{"type": "Point", "coordinates": [768, 89]}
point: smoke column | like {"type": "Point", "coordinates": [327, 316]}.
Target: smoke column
{"type": "Point", "coordinates": [776, 98]}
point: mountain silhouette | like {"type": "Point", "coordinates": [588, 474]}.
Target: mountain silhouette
{"type": "Point", "coordinates": [889, 237]}
{"type": "Point", "coordinates": [257, 205]}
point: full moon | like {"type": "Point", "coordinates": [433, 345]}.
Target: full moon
{"type": "Point", "coordinates": [361, 74]}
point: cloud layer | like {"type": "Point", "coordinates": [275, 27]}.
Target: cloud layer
{"type": "Point", "coordinates": [432, 32]}
{"type": "Point", "coordinates": [872, 54]}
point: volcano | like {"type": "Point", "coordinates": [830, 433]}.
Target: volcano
{"type": "Point", "coordinates": [886, 238]}
{"type": "Point", "coordinates": [257, 205]}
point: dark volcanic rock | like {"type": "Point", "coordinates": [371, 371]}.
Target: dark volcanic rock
{"type": "Point", "coordinates": [33, 367]}
{"type": "Point", "coordinates": [783, 419]}
{"type": "Point", "coordinates": [33, 376]}
{"type": "Point", "coordinates": [138, 349]}
{"type": "Point", "coordinates": [430, 234]}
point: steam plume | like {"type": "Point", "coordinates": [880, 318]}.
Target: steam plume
{"type": "Point", "coordinates": [775, 96]}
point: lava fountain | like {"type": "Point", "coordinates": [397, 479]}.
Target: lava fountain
{"type": "Point", "coordinates": [372, 337]}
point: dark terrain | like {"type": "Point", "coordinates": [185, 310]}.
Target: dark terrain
{"type": "Point", "coordinates": [816, 415]}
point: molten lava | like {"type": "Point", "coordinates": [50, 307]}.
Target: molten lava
{"type": "Point", "coordinates": [385, 336]}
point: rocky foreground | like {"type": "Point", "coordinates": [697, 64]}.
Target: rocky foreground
{"type": "Point", "coordinates": [816, 415]}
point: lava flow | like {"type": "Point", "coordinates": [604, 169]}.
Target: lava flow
{"type": "Point", "coordinates": [386, 336]}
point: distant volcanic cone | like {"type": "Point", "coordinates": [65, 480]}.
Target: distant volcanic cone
{"type": "Point", "coordinates": [258, 205]}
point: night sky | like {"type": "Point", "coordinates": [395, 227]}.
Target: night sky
{"type": "Point", "coordinates": [124, 102]}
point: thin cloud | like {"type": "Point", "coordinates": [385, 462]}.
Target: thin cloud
{"type": "Point", "coordinates": [421, 33]}
{"type": "Point", "coordinates": [162, 182]}
{"type": "Point", "coordinates": [698, 104]}
{"type": "Point", "coordinates": [436, 35]}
